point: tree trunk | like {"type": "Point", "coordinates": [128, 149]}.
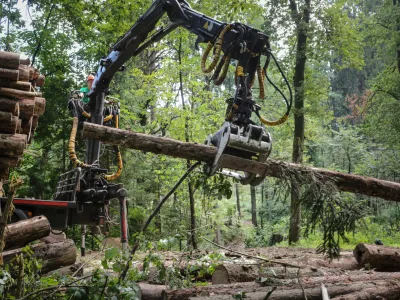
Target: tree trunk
{"type": "Point", "coordinates": [53, 256]}
{"type": "Point", "coordinates": [257, 291]}
{"type": "Point", "coordinates": [7, 105]}
{"type": "Point", "coordinates": [301, 20]}
{"type": "Point", "coordinates": [18, 85]}
{"type": "Point", "coordinates": [238, 200]}
{"type": "Point", "coordinates": [230, 273]}
{"type": "Point", "coordinates": [387, 293]}
{"type": "Point", "coordinates": [381, 258]}
{"type": "Point", "coordinates": [345, 182]}
{"type": "Point", "coordinates": [298, 293]}
{"type": "Point", "coordinates": [9, 123]}
{"type": "Point", "coordinates": [9, 60]}
{"type": "Point", "coordinates": [253, 206]}
{"type": "Point", "coordinates": [23, 232]}
{"type": "Point", "coordinates": [12, 145]}
{"type": "Point", "coordinates": [151, 291]}
{"type": "Point", "coordinates": [17, 94]}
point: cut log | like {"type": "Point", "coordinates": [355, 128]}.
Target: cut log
{"type": "Point", "coordinates": [40, 104]}
{"type": "Point", "coordinates": [252, 287]}
{"type": "Point", "coordinates": [9, 123]}
{"type": "Point", "coordinates": [53, 256]}
{"type": "Point", "coordinates": [12, 145]}
{"type": "Point", "coordinates": [19, 126]}
{"type": "Point", "coordinates": [151, 291]}
{"type": "Point", "coordinates": [387, 293]}
{"type": "Point", "coordinates": [9, 60]}
{"type": "Point", "coordinates": [381, 258]}
{"type": "Point", "coordinates": [298, 294]}
{"type": "Point", "coordinates": [17, 94]}
{"type": "Point", "coordinates": [35, 122]}
{"type": "Point", "coordinates": [25, 61]}
{"type": "Point", "coordinates": [230, 273]}
{"type": "Point", "coordinates": [4, 172]}
{"type": "Point", "coordinates": [24, 73]}
{"type": "Point", "coordinates": [40, 81]}
{"type": "Point", "coordinates": [27, 128]}
{"type": "Point", "coordinates": [11, 106]}
{"type": "Point", "coordinates": [9, 74]}
{"type": "Point", "coordinates": [18, 85]}
{"type": "Point", "coordinates": [345, 182]}
{"type": "Point", "coordinates": [26, 108]}
{"type": "Point", "coordinates": [9, 162]}
{"type": "Point", "coordinates": [23, 232]}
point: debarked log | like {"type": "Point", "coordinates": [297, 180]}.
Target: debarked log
{"type": "Point", "coordinates": [345, 182]}
{"type": "Point", "coordinates": [382, 258]}
{"type": "Point", "coordinates": [53, 256]}
{"type": "Point", "coordinates": [23, 232]}
{"type": "Point", "coordinates": [12, 145]}
{"type": "Point", "coordinates": [287, 284]}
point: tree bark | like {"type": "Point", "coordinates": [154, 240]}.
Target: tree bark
{"type": "Point", "coordinates": [9, 74]}
{"type": "Point", "coordinates": [298, 293]}
{"type": "Point", "coordinates": [231, 273]}
{"type": "Point", "coordinates": [290, 290]}
{"type": "Point", "coordinates": [387, 293]}
{"type": "Point", "coordinates": [18, 85]}
{"type": "Point", "coordinates": [382, 258]}
{"type": "Point", "coordinates": [54, 255]}
{"type": "Point", "coordinates": [7, 105]}
{"type": "Point", "coordinates": [9, 60]}
{"type": "Point", "coordinates": [253, 205]}
{"type": "Point", "coordinates": [26, 108]}
{"type": "Point", "coordinates": [151, 291]}
{"type": "Point", "coordinates": [40, 105]}
{"type": "Point", "coordinates": [24, 73]}
{"type": "Point", "coordinates": [23, 232]}
{"type": "Point", "coordinates": [17, 94]}
{"type": "Point", "coordinates": [12, 145]}
{"type": "Point", "coordinates": [7, 162]}
{"type": "Point", "coordinates": [345, 182]}
{"type": "Point", "coordinates": [40, 81]}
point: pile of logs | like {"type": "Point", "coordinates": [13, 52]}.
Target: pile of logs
{"type": "Point", "coordinates": [54, 251]}
{"type": "Point", "coordinates": [20, 108]}
{"type": "Point", "coordinates": [370, 272]}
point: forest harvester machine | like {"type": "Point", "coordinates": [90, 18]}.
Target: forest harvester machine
{"type": "Point", "coordinates": [84, 193]}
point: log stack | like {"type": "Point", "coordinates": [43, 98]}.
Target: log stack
{"type": "Point", "coordinates": [20, 107]}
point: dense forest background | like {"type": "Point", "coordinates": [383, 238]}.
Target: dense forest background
{"type": "Point", "coordinates": [349, 101]}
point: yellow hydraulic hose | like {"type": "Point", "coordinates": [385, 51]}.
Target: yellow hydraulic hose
{"type": "Point", "coordinates": [218, 49]}
{"type": "Point", "coordinates": [225, 68]}
{"type": "Point", "coordinates": [274, 123]}
{"type": "Point", "coordinates": [119, 157]}
{"type": "Point", "coordinates": [71, 146]}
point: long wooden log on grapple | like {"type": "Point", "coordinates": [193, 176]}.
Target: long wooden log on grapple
{"type": "Point", "coordinates": [23, 232]}
{"type": "Point", "coordinates": [345, 182]}
{"type": "Point", "coordinates": [53, 256]}
{"type": "Point", "coordinates": [381, 258]}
